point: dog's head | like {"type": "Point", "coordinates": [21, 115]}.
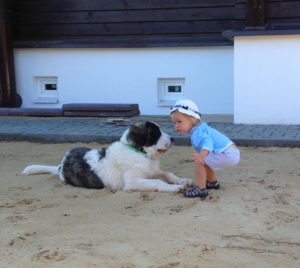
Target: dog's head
{"type": "Point", "coordinates": [147, 137]}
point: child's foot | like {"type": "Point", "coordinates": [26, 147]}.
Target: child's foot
{"type": "Point", "coordinates": [196, 192]}
{"type": "Point", "coordinates": [212, 185]}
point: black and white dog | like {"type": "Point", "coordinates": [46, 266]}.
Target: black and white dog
{"type": "Point", "coordinates": [129, 164]}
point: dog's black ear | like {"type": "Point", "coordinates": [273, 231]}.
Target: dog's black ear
{"type": "Point", "coordinates": [153, 133]}
{"type": "Point", "coordinates": [137, 135]}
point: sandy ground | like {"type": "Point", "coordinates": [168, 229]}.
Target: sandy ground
{"type": "Point", "coordinates": [253, 221]}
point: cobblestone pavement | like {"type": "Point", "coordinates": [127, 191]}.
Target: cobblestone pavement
{"type": "Point", "coordinates": [107, 130]}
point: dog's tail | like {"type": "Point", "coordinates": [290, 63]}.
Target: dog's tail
{"type": "Point", "coordinates": [40, 169]}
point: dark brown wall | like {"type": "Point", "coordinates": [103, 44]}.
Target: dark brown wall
{"type": "Point", "coordinates": [283, 15]}
{"type": "Point", "coordinates": [130, 23]}
{"type": "Point", "coordinates": [273, 14]}
{"type": "Point", "coordinates": [124, 23]}
{"type": "Point", "coordinates": [144, 23]}
{"type": "Point", "coordinates": [8, 96]}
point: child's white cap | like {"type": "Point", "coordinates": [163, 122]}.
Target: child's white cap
{"type": "Point", "coordinates": [186, 106]}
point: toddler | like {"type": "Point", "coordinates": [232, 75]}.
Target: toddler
{"type": "Point", "coordinates": [213, 150]}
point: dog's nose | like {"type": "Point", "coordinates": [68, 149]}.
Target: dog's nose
{"type": "Point", "coordinates": [172, 139]}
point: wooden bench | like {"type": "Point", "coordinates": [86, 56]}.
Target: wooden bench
{"type": "Point", "coordinates": [100, 109]}
{"type": "Point", "coordinates": [77, 109]}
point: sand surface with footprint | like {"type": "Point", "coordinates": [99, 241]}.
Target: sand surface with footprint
{"type": "Point", "coordinates": [253, 221]}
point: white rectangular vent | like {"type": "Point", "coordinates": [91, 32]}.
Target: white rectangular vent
{"type": "Point", "coordinates": [45, 89]}
{"type": "Point", "coordinates": [169, 90]}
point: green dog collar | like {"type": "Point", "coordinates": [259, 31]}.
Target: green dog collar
{"type": "Point", "coordinates": [135, 149]}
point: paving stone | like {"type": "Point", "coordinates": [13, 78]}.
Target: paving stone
{"type": "Point", "coordinates": [107, 130]}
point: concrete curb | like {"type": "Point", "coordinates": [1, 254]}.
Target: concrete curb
{"type": "Point", "coordinates": [106, 139]}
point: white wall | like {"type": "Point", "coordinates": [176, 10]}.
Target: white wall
{"type": "Point", "coordinates": [267, 80]}
{"type": "Point", "coordinates": [129, 76]}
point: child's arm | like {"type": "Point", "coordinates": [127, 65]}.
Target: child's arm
{"type": "Point", "coordinates": [199, 157]}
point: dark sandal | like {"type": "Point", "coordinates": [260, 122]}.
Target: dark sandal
{"type": "Point", "coordinates": [196, 192]}
{"type": "Point", "coordinates": [213, 185]}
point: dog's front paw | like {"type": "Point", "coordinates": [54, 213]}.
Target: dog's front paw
{"type": "Point", "coordinates": [174, 188]}
{"type": "Point", "coordinates": [186, 182]}
{"type": "Point", "coordinates": [181, 188]}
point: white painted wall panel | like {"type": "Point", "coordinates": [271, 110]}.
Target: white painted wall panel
{"type": "Point", "coordinates": [129, 76]}
{"type": "Point", "coordinates": [267, 80]}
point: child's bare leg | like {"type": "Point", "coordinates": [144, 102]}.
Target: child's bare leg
{"type": "Point", "coordinates": [200, 190]}
{"type": "Point", "coordinates": [212, 182]}
{"type": "Point", "coordinates": [211, 175]}
{"type": "Point", "coordinates": [201, 175]}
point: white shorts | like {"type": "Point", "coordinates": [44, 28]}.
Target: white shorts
{"type": "Point", "coordinates": [228, 158]}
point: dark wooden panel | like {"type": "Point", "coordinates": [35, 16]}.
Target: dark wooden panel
{"type": "Point", "coordinates": [93, 5]}
{"type": "Point", "coordinates": [283, 9]}
{"type": "Point", "coordinates": [240, 10]}
{"type": "Point", "coordinates": [262, 32]}
{"type": "Point", "coordinates": [194, 40]}
{"type": "Point", "coordinates": [8, 96]}
{"type": "Point", "coordinates": [282, 24]}
{"type": "Point", "coordinates": [284, 20]}
{"type": "Point", "coordinates": [101, 107]}
{"type": "Point", "coordinates": [101, 114]}
{"type": "Point", "coordinates": [255, 16]}
{"type": "Point", "coordinates": [166, 22]}
{"type": "Point", "coordinates": [283, 15]}
{"type": "Point", "coordinates": [216, 13]}
{"type": "Point", "coordinates": [142, 28]}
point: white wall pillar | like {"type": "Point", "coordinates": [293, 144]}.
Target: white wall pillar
{"type": "Point", "coordinates": [267, 79]}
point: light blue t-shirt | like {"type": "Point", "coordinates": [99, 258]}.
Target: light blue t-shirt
{"type": "Point", "coordinates": [204, 137]}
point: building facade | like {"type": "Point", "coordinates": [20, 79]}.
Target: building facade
{"type": "Point", "coordinates": [234, 57]}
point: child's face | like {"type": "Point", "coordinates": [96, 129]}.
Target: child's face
{"type": "Point", "coordinates": [182, 122]}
